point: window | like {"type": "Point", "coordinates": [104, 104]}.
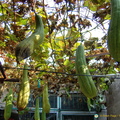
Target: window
{"type": "Point", "coordinates": [30, 116]}
{"type": "Point", "coordinates": [75, 102]}
{"type": "Point", "coordinates": [63, 108]}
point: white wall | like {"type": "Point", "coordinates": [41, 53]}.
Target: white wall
{"type": "Point", "coordinates": [113, 101]}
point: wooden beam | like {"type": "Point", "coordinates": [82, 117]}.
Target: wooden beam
{"type": "Point", "coordinates": [2, 80]}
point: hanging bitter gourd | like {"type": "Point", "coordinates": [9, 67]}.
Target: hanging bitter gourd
{"type": "Point", "coordinates": [114, 31]}
{"type": "Point", "coordinates": [85, 81]}
{"type": "Point", "coordinates": [37, 113]}
{"type": "Point", "coordinates": [8, 105]}
{"type": "Point", "coordinates": [24, 92]}
{"type": "Point", "coordinates": [46, 103]}
{"type": "Point", "coordinates": [26, 47]}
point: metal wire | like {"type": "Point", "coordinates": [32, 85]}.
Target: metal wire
{"type": "Point", "coordinates": [115, 76]}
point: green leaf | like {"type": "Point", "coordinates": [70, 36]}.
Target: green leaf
{"type": "Point", "coordinates": [90, 5]}
{"type": "Point", "coordinates": [66, 62]}
{"type": "Point", "coordinates": [2, 44]}
{"type": "Point", "coordinates": [22, 21]}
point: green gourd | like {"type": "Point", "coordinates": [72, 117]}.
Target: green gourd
{"type": "Point", "coordinates": [43, 115]}
{"type": "Point", "coordinates": [113, 40]}
{"type": "Point", "coordinates": [46, 103]}
{"type": "Point", "coordinates": [24, 92]}
{"type": "Point", "coordinates": [8, 105]}
{"type": "Point", "coordinates": [85, 81]}
{"type": "Point", "coordinates": [26, 47]}
{"type": "Point", "coordinates": [37, 114]}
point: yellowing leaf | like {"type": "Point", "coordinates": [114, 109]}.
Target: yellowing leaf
{"type": "Point", "coordinates": [66, 62]}
{"type": "Point", "coordinates": [61, 44]}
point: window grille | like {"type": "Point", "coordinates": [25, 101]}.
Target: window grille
{"type": "Point", "coordinates": [73, 107]}
{"type": "Point", "coordinates": [75, 102]}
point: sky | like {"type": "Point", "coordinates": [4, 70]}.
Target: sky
{"type": "Point", "coordinates": [98, 32]}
